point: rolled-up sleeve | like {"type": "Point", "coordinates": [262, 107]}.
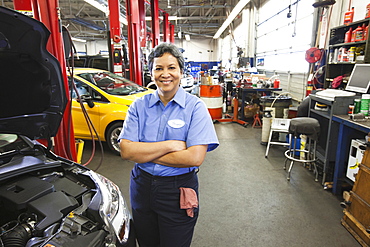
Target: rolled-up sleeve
{"type": "Point", "coordinates": [130, 128]}
{"type": "Point", "coordinates": [201, 129]}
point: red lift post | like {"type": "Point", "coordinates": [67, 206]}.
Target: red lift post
{"type": "Point", "coordinates": [166, 28]}
{"type": "Point", "coordinates": [172, 33]}
{"type": "Point", "coordinates": [115, 35]}
{"type": "Point", "coordinates": [154, 8]}
{"type": "Point", "coordinates": [142, 23]}
{"type": "Point", "coordinates": [132, 7]}
{"type": "Point", "coordinates": [47, 11]}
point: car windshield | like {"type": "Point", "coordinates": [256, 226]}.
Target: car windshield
{"type": "Point", "coordinates": [112, 83]}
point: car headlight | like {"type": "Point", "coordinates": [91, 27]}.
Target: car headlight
{"type": "Point", "coordinates": [113, 208]}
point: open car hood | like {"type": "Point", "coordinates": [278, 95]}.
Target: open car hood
{"type": "Point", "coordinates": [32, 93]}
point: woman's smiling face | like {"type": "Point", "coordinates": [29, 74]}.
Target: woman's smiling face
{"type": "Point", "coordinates": [166, 74]}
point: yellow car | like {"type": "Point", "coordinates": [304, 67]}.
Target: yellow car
{"type": "Point", "coordinates": [106, 98]}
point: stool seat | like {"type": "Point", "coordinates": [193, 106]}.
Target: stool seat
{"type": "Point", "coordinates": [305, 126]}
{"type": "Point", "coordinates": [309, 127]}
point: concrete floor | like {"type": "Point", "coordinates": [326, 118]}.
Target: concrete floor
{"type": "Point", "coordinates": [245, 199]}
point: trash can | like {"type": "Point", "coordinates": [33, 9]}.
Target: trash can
{"type": "Point", "coordinates": [278, 105]}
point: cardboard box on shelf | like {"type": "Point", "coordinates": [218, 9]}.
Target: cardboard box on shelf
{"type": "Point", "coordinates": [205, 80]}
{"type": "Point", "coordinates": [259, 76]}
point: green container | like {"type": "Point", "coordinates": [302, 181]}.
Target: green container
{"type": "Point", "coordinates": [365, 100]}
{"type": "Point", "coordinates": [357, 107]}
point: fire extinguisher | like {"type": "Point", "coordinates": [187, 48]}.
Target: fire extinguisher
{"type": "Point", "coordinates": [309, 88]}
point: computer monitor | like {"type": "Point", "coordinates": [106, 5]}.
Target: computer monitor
{"type": "Point", "coordinates": [359, 81]}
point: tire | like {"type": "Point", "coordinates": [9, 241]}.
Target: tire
{"type": "Point", "coordinates": [112, 135]}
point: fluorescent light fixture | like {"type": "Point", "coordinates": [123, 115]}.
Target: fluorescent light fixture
{"type": "Point", "coordinates": [241, 4]}
{"type": "Point", "coordinates": [105, 10]}
{"type": "Point", "coordinates": [187, 37]}
{"type": "Point", "coordinates": [79, 40]}
{"type": "Point", "coordinates": [99, 6]}
{"type": "Point", "coordinates": [170, 18]}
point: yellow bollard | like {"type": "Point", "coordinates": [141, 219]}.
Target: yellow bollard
{"type": "Point", "coordinates": [79, 149]}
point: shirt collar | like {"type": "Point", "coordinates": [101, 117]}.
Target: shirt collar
{"type": "Point", "coordinates": [179, 98]}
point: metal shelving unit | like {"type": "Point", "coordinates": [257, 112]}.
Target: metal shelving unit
{"type": "Point", "coordinates": [337, 35]}
{"type": "Point", "coordinates": [327, 144]}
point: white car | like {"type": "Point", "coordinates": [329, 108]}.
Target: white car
{"type": "Point", "coordinates": [187, 82]}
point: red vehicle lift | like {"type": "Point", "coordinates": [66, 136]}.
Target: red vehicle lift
{"type": "Point", "coordinates": [166, 28]}
{"type": "Point", "coordinates": [142, 23]}
{"type": "Point", "coordinates": [172, 33]}
{"type": "Point", "coordinates": [133, 20]}
{"type": "Point", "coordinates": [47, 11]}
{"type": "Point", "coordinates": [115, 36]}
{"type": "Point", "coordinates": [155, 22]}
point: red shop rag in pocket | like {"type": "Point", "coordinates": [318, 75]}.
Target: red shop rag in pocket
{"type": "Point", "coordinates": [188, 200]}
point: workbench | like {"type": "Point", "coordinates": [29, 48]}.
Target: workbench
{"type": "Point", "coordinates": [329, 129]}
{"type": "Point", "coordinates": [245, 91]}
{"type": "Point", "coordinates": [348, 130]}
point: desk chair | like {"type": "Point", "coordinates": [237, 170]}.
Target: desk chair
{"type": "Point", "coordinates": [302, 126]}
{"type": "Point", "coordinates": [280, 125]}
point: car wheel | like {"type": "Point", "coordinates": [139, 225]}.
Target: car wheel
{"type": "Point", "coordinates": [112, 136]}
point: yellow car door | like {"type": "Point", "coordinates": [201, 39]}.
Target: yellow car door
{"type": "Point", "coordinates": [90, 100]}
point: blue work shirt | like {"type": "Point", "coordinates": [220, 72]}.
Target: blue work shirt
{"type": "Point", "coordinates": [185, 118]}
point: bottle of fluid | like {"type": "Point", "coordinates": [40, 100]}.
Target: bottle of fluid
{"type": "Point", "coordinates": [351, 54]}
{"type": "Point", "coordinates": [359, 36]}
{"type": "Point", "coordinates": [366, 31]}
{"type": "Point", "coordinates": [348, 35]}
{"type": "Point", "coordinates": [367, 11]}
{"type": "Point", "coordinates": [228, 99]}
{"type": "Point", "coordinates": [353, 36]}
{"type": "Point", "coordinates": [348, 16]}
{"type": "Point", "coordinates": [335, 57]}
{"type": "Point", "coordinates": [331, 55]}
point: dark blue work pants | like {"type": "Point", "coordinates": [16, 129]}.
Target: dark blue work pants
{"type": "Point", "coordinates": [156, 212]}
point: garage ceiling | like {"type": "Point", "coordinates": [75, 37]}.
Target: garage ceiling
{"type": "Point", "coordinates": [200, 18]}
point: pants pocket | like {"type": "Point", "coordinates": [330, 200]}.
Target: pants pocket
{"type": "Point", "coordinates": [188, 200]}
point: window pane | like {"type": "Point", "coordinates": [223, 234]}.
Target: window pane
{"type": "Point", "coordinates": [282, 41]}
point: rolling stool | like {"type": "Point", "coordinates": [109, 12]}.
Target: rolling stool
{"type": "Point", "coordinates": [303, 126]}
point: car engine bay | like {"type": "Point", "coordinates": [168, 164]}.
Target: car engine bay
{"type": "Point", "coordinates": [57, 205]}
